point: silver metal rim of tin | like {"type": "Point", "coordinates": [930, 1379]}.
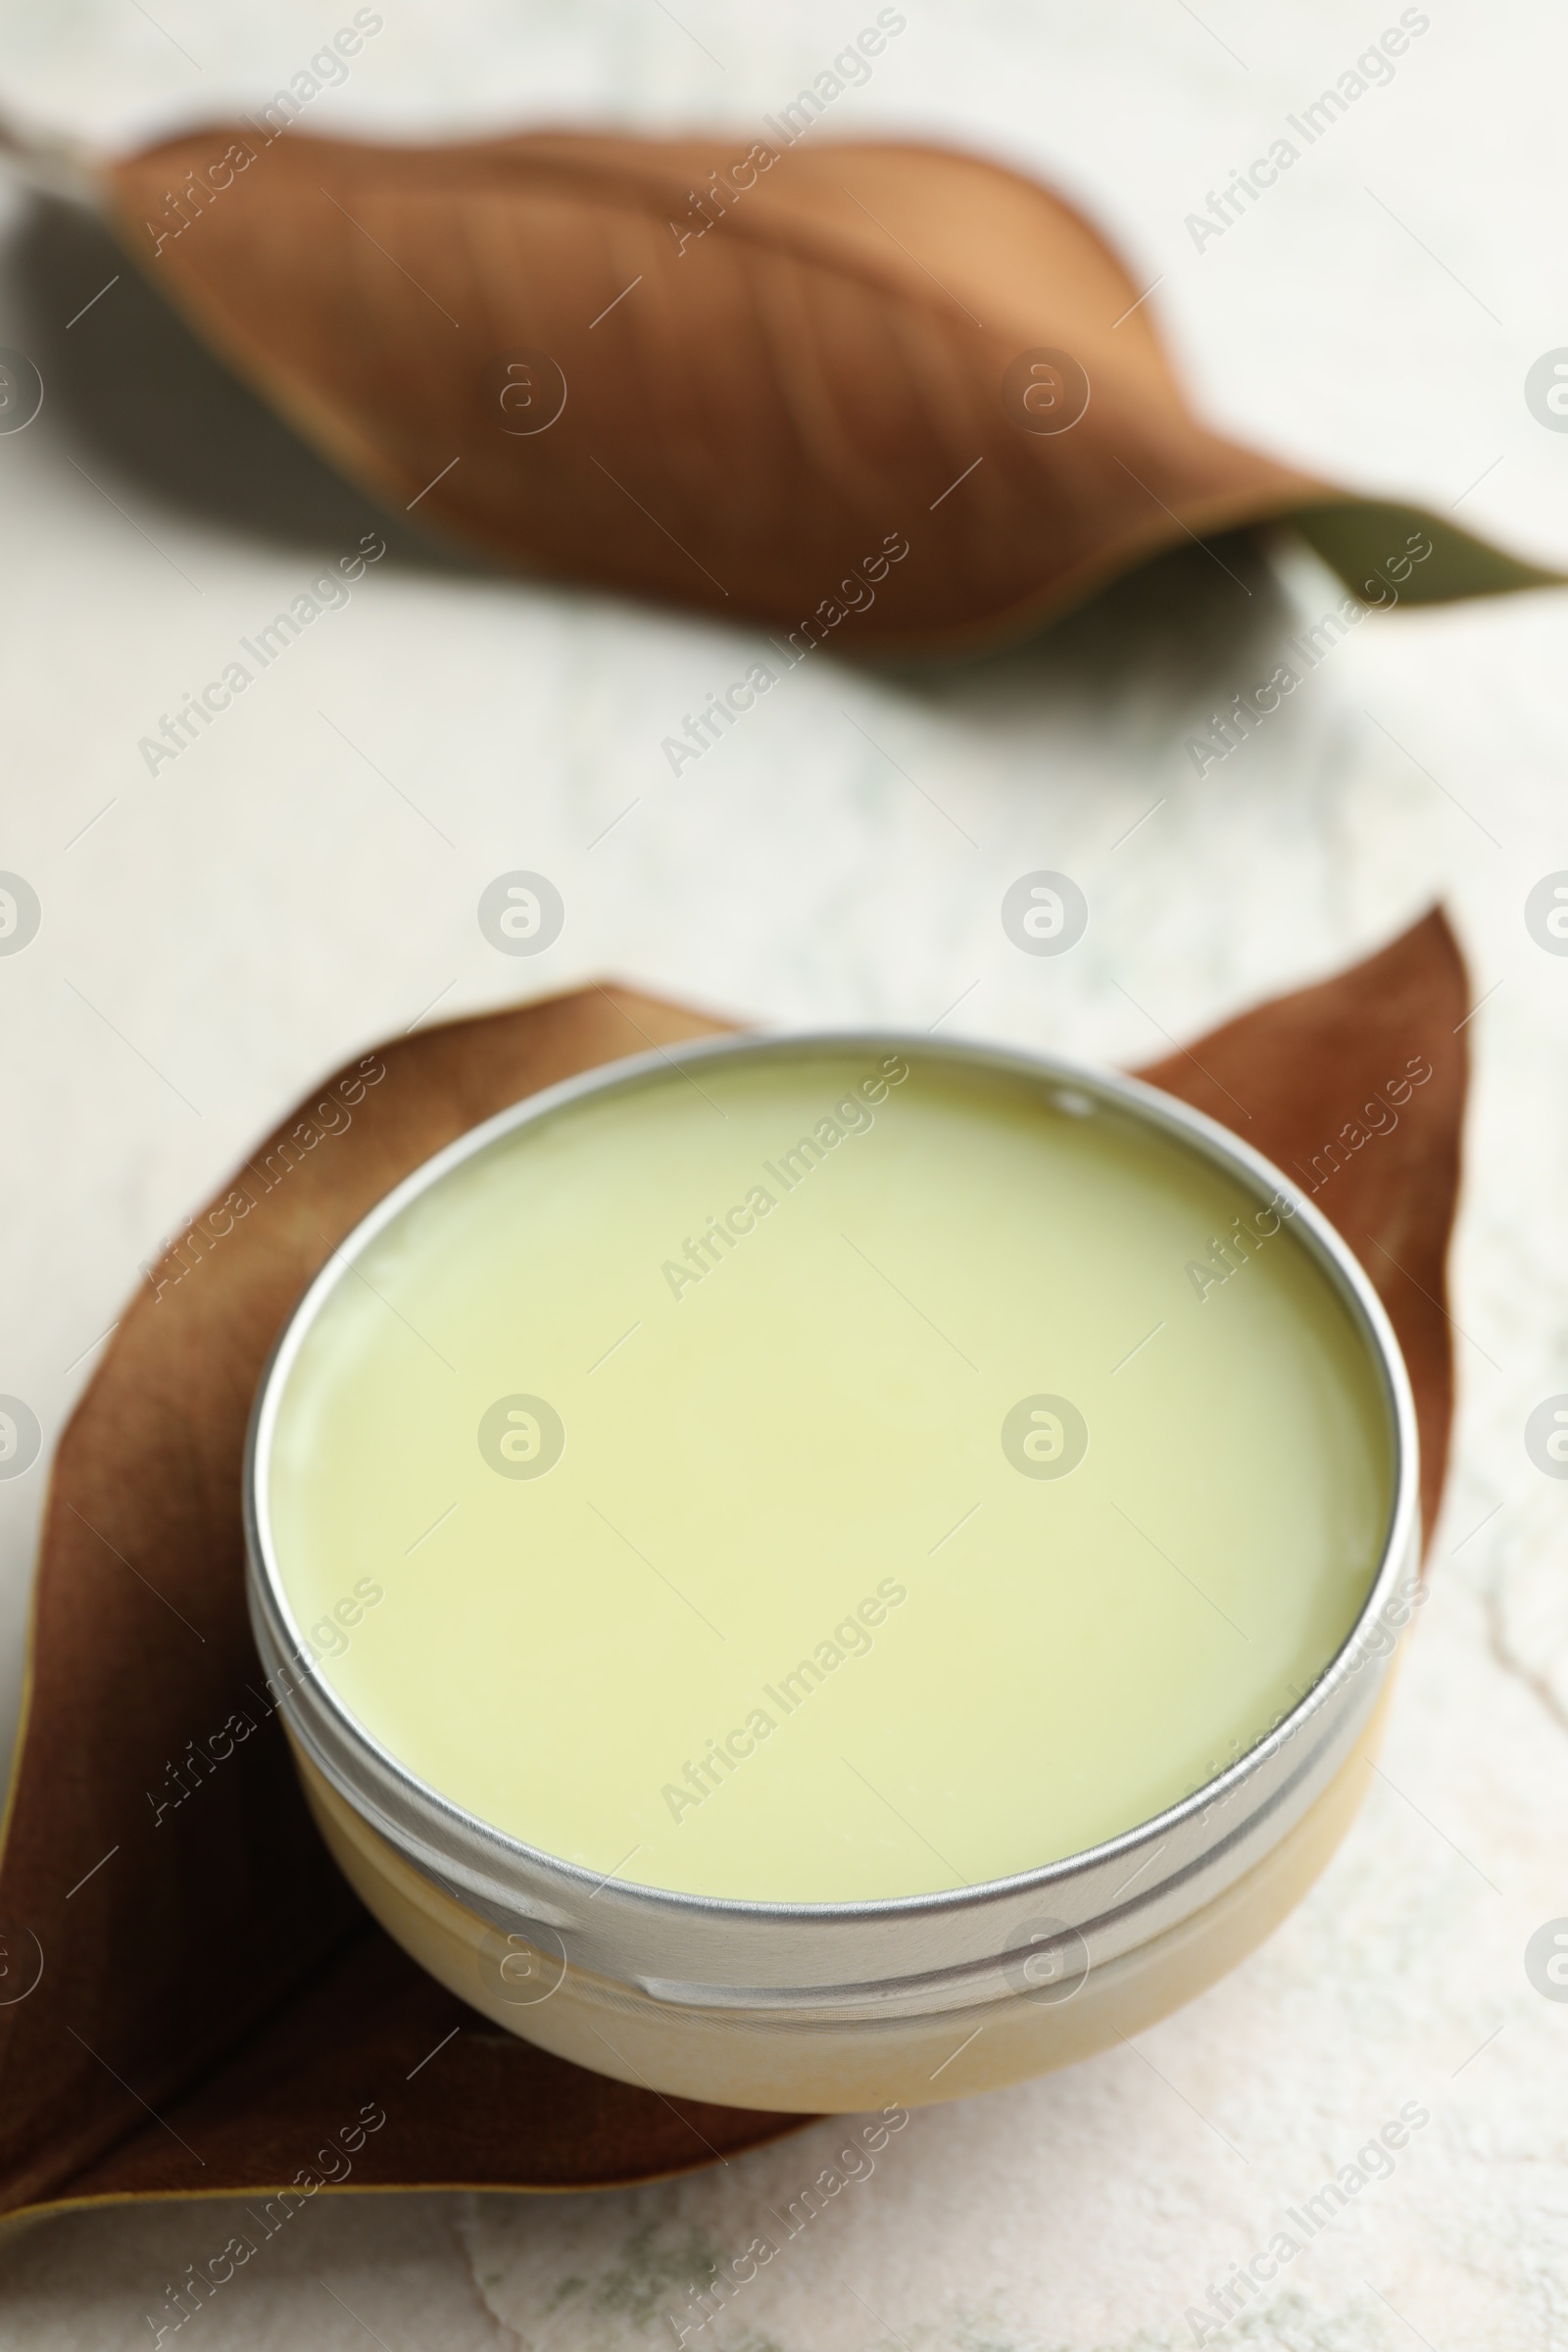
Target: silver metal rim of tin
{"type": "Point", "coordinates": [896, 1955]}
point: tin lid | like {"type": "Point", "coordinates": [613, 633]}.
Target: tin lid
{"type": "Point", "coordinates": [922, 1950]}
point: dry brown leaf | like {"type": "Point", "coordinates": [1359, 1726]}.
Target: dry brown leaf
{"type": "Point", "coordinates": [210, 1964]}
{"type": "Point", "coordinates": [805, 400]}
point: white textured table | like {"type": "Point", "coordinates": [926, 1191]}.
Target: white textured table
{"type": "Point", "coordinates": [216, 937]}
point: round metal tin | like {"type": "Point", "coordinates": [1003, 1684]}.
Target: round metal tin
{"type": "Point", "coordinates": [911, 1956]}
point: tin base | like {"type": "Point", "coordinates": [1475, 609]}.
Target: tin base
{"type": "Point", "coordinates": [807, 2064]}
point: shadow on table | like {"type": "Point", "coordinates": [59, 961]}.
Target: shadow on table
{"type": "Point", "coordinates": [135, 390]}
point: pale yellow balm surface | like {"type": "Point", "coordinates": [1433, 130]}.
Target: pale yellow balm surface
{"type": "Point", "coordinates": [811, 1481]}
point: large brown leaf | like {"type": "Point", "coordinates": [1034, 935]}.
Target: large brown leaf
{"type": "Point", "coordinates": [214, 2004]}
{"type": "Point", "coordinates": [769, 390]}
